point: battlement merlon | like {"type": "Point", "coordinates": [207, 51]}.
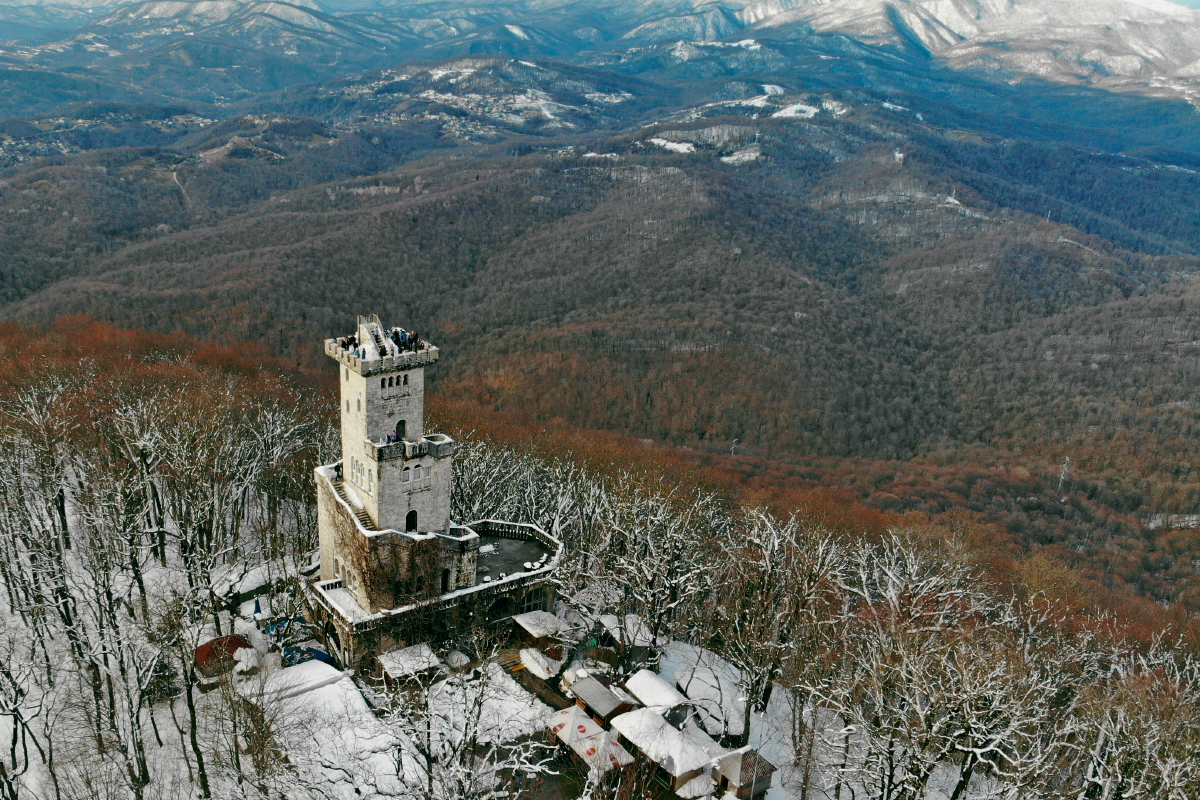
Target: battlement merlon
{"type": "Point", "coordinates": [435, 445]}
{"type": "Point", "coordinates": [373, 366]}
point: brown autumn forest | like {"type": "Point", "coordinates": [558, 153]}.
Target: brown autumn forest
{"type": "Point", "coordinates": [1005, 516]}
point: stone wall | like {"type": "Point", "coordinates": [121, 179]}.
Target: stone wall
{"type": "Point", "coordinates": [439, 624]}
{"type": "Point", "coordinates": [431, 500]}
{"type": "Point", "coordinates": [345, 553]}
{"type": "Point", "coordinates": [368, 411]}
{"type": "Point", "coordinates": [387, 569]}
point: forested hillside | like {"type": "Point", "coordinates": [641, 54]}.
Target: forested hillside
{"type": "Point", "coordinates": [157, 496]}
{"type": "Point", "coordinates": [927, 289]}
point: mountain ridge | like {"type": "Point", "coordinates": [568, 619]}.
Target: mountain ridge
{"type": "Point", "coordinates": [1147, 46]}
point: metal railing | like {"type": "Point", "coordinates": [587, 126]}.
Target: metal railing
{"type": "Point", "coordinates": [522, 531]}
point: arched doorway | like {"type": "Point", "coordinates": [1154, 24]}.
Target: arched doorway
{"type": "Point", "coordinates": [410, 522]}
{"type": "Point", "coordinates": [445, 581]}
{"type": "Point", "coordinates": [401, 430]}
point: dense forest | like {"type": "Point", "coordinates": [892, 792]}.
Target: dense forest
{"type": "Point", "coordinates": [801, 272]}
{"type": "Point", "coordinates": [147, 476]}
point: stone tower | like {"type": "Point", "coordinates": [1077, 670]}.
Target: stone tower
{"type": "Point", "coordinates": [400, 477]}
{"type": "Point", "coordinates": [395, 569]}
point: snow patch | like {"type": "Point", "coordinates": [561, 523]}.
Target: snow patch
{"type": "Point", "coordinates": [746, 155]}
{"type": "Point", "coordinates": [801, 110]}
{"type": "Point", "coordinates": [675, 147]}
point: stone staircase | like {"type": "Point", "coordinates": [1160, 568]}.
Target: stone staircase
{"type": "Point", "coordinates": [375, 334]}
{"type": "Point", "coordinates": [361, 513]}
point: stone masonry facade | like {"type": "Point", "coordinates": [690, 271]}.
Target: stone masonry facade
{"type": "Point", "coordinates": [394, 566]}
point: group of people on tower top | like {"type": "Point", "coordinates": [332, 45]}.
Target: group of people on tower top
{"type": "Point", "coordinates": [398, 341]}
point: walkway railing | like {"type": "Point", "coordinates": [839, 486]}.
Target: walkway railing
{"type": "Point", "coordinates": [507, 530]}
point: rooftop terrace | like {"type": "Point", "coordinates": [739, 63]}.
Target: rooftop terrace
{"type": "Point", "coordinates": [374, 347]}
{"type": "Point", "coordinates": [499, 557]}
{"type": "Point", "coordinates": [511, 555]}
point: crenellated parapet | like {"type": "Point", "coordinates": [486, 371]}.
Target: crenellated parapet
{"type": "Point", "coordinates": [435, 445]}
{"type": "Point", "coordinates": [405, 360]}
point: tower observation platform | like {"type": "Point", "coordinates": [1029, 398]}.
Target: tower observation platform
{"type": "Point", "coordinates": [395, 568]}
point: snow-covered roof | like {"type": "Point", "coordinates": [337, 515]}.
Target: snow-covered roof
{"type": "Point", "coordinates": [597, 747]}
{"type": "Point", "coordinates": [632, 632]}
{"type": "Point", "coordinates": [539, 664]}
{"type": "Point", "coordinates": [539, 624]}
{"type": "Point", "coordinates": [700, 786]}
{"type": "Point", "coordinates": [597, 696]}
{"type": "Point", "coordinates": [295, 681]}
{"type": "Point", "coordinates": [330, 735]}
{"type": "Point", "coordinates": [746, 766]}
{"type": "Point", "coordinates": [710, 683]}
{"type": "Point", "coordinates": [709, 745]}
{"type": "Point", "coordinates": [661, 743]}
{"type": "Point", "coordinates": [409, 661]}
{"type": "Point", "coordinates": [653, 692]}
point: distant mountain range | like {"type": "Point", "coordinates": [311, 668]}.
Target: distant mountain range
{"type": "Point", "coordinates": [1149, 46]}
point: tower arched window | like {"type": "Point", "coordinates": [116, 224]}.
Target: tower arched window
{"type": "Point", "coordinates": [358, 404]}
{"type": "Point", "coordinates": [382, 386]}
{"type": "Point", "coordinates": [406, 380]}
{"type": "Point", "coordinates": [407, 476]}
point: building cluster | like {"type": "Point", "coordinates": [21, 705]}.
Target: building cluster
{"type": "Point", "coordinates": [399, 581]}
{"type": "Point", "coordinates": [616, 727]}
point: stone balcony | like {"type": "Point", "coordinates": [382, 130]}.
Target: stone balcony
{"type": "Point", "coordinates": [437, 445]}
{"type": "Point", "coordinates": [513, 557]}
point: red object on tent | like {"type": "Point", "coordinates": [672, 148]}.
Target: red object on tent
{"type": "Point", "coordinates": [216, 657]}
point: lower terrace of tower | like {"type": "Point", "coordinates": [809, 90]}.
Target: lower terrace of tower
{"type": "Point", "coordinates": [509, 555]}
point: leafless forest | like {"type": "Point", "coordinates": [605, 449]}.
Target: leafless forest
{"type": "Point", "coordinates": [141, 486]}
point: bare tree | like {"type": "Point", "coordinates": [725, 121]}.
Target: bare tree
{"type": "Point", "coordinates": [774, 581]}
{"type": "Point", "coordinates": [909, 620]}
{"type": "Point", "coordinates": [453, 742]}
{"type": "Point", "coordinates": [1137, 732]}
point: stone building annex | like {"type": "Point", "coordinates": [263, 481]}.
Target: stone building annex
{"type": "Point", "coordinates": [396, 570]}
